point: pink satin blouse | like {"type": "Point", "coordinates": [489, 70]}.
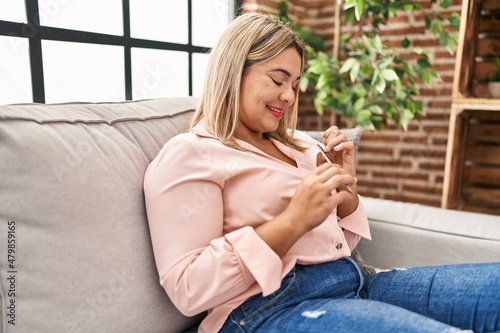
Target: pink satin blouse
{"type": "Point", "coordinates": [203, 202]}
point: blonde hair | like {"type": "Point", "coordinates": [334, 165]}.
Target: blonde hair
{"type": "Point", "coordinates": [250, 39]}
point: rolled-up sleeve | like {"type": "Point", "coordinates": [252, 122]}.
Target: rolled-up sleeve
{"type": "Point", "coordinates": [199, 266]}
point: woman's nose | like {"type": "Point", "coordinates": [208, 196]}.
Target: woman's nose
{"type": "Point", "coordinates": [288, 95]}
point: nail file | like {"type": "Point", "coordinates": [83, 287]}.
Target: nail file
{"type": "Point", "coordinates": [323, 152]}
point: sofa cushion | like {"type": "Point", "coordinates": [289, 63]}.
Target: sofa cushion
{"type": "Point", "coordinates": [408, 234]}
{"type": "Point", "coordinates": [71, 178]}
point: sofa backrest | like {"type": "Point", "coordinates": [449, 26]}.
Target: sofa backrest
{"type": "Point", "coordinates": [73, 218]}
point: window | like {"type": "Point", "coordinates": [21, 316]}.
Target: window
{"type": "Point", "coordinates": [92, 50]}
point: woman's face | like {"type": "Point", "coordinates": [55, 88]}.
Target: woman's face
{"type": "Point", "coordinates": [268, 90]}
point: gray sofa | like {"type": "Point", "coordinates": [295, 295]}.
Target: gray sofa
{"type": "Point", "coordinates": [76, 253]}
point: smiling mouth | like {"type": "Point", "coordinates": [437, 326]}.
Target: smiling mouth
{"type": "Point", "coordinates": [277, 112]}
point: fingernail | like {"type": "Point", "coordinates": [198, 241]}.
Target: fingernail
{"type": "Point", "coordinates": [349, 189]}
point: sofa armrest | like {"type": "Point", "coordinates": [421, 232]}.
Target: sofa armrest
{"type": "Point", "coordinates": [406, 234]}
{"type": "Point", "coordinates": [352, 134]}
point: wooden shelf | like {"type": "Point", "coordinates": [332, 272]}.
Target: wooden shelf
{"type": "Point", "coordinates": [472, 171]}
{"type": "Point", "coordinates": [478, 103]}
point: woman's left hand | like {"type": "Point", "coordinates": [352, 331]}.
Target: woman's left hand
{"type": "Point", "coordinates": [339, 149]}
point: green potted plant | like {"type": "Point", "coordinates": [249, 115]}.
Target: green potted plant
{"type": "Point", "coordinates": [494, 84]}
{"type": "Point", "coordinates": [373, 85]}
{"type": "Point", "coordinates": [364, 82]}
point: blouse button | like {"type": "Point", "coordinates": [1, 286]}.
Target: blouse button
{"type": "Point", "coordinates": [338, 245]}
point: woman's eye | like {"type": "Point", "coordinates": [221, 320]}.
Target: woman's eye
{"type": "Point", "coordinates": [277, 83]}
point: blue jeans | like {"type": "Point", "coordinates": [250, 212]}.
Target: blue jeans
{"type": "Point", "coordinates": [337, 297]}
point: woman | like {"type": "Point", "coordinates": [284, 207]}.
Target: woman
{"type": "Point", "coordinates": [250, 222]}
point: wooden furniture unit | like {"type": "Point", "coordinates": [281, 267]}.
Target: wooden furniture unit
{"type": "Point", "coordinates": [472, 172]}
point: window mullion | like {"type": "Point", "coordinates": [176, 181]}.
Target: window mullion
{"type": "Point", "coordinates": [35, 50]}
{"type": "Point", "coordinates": [190, 43]}
{"type": "Point", "coordinates": [127, 49]}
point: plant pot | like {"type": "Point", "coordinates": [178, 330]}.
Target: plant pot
{"type": "Point", "coordinates": [494, 88]}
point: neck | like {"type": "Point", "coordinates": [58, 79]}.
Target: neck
{"type": "Point", "coordinates": [254, 138]}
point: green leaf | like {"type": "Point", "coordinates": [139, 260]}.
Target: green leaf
{"type": "Point", "coordinates": [348, 110]}
{"type": "Point", "coordinates": [451, 45]}
{"type": "Point", "coordinates": [316, 67]}
{"type": "Point", "coordinates": [322, 81]}
{"type": "Point", "coordinates": [443, 38]}
{"type": "Point", "coordinates": [436, 27]}
{"type": "Point", "coordinates": [359, 90]}
{"type": "Point", "coordinates": [354, 71]}
{"type": "Point", "coordinates": [417, 69]}
{"type": "Point", "coordinates": [304, 83]}
{"type": "Point", "coordinates": [380, 86]}
{"type": "Point", "coordinates": [434, 74]}
{"type": "Point", "coordinates": [406, 116]}
{"type": "Point", "coordinates": [322, 94]}
{"type": "Point", "coordinates": [376, 109]}
{"type": "Point", "coordinates": [358, 105]}
{"type": "Point", "coordinates": [284, 7]}
{"type": "Point", "coordinates": [343, 97]}
{"type": "Point", "coordinates": [419, 108]}
{"type": "Point", "coordinates": [360, 7]}
{"type": "Point", "coordinates": [418, 50]}
{"type": "Point", "coordinates": [410, 106]}
{"type": "Point", "coordinates": [400, 93]}
{"type": "Point", "coordinates": [408, 7]}
{"type": "Point", "coordinates": [427, 78]}
{"type": "Point", "coordinates": [405, 43]}
{"type": "Point", "coordinates": [454, 20]}
{"type": "Point", "coordinates": [386, 62]}
{"type": "Point", "coordinates": [389, 75]}
{"type": "Point", "coordinates": [318, 105]}
{"type": "Point", "coordinates": [344, 38]}
{"type": "Point", "coordinates": [424, 63]}
{"type": "Point", "coordinates": [378, 42]}
{"type": "Point", "coordinates": [347, 65]}
{"type": "Point", "coordinates": [427, 22]}
{"type": "Point", "coordinates": [375, 77]}
{"type": "Point", "coordinates": [364, 115]}
{"type": "Point", "coordinates": [350, 3]}
{"type": "Point", "coordinates": [446, 3]}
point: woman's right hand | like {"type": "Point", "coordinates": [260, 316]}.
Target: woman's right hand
{"type": "Point", "coordinates": [314, 198]}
